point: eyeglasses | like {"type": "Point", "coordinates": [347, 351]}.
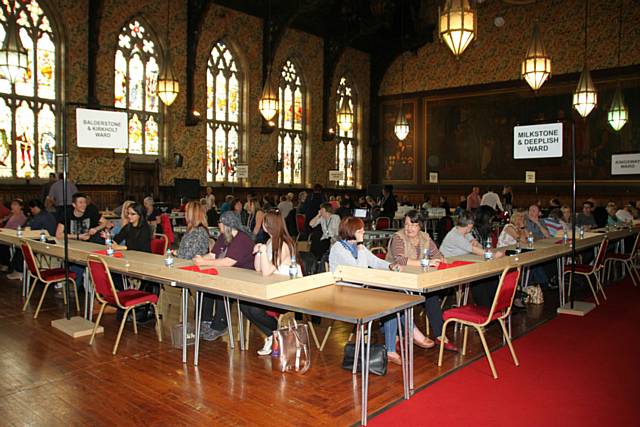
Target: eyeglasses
{"type": "Point", "coordinates": [132, 214]}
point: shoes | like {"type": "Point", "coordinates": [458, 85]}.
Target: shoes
{"type": "Point", "coordinates": [394, 358]}
{"type": "Point", "coordinates": [266, 349]}
{"type": "Point", "coordinates": [448, 345]}
{"type": "Point", "coordinates": [4, 268]}
{"type": "Point", "coordinates": [518, 304]}
{"type": "Point", "coordinates": [424, 342]}
{"type": "Point", "coordinates": [16, 275]}
{"type": "Point", "coordinates": [209, 334]}
{"type": "Point", "coordinates": [58, 286]}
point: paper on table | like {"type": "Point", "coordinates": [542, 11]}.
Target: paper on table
{"type": "Point", "coordinates": [211, 270]}
{"type": "Point", "coordinates": [116, 254]}
{"type": "Point", "coordinates": [444, 266]}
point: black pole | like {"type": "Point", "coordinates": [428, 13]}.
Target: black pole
{"type": "Point", "coordinates": [573, 210]}
{"type": "Point", "coordinates": [65, 198]}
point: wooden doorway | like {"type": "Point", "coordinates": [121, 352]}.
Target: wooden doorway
{"type": "Point", "coordinates": [141, 180]}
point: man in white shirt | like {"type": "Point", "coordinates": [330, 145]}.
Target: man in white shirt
{"type": "Point", "coordinates": [492, 200]}
{"type": "Point", "coordinates": [624, 214]}
{"type": "Point", "coordinates": [329, 224]}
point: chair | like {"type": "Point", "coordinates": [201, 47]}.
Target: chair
{"type": "Point", "coordinates": [479, 317]}
{"type": "Point", "coordinates": [47, 276]}
{"type": "Point", "coordinates": [300, 222]}
{"type": "Point", "coordinates": [159, 244]}
{"type": "Point", "coordinates": [379, 251]}
{"type": "Point", "coordinates": [591, 269]}
{"type": "Point", "coordinates": [627, 261]}
{"type": "Point", "coordinates": [383, 223]}
{"type": "Point", "coordinates": [127, 300]}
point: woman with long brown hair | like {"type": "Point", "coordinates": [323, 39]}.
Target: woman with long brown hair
{"type": "Point", "coordinates": [274, 257]}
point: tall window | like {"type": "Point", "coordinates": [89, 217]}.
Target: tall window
{"type": "Point", "coordinates": [224, 109]}
{"type": "Point", "coordinates": [135, 87]}
{"type": "Point", "coordinates": [29, 110]}
{"type": "Point", "coordinates": [346, 141]}
{"type": "Point", "coordinates": [291, 139]}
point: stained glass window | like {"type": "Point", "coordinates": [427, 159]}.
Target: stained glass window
{"type": "Point", "coordinates": [224, 109]}
{"type": "Point", "coordinates": [29, 119]}
{"type": "Point", "coordinates": [291, 139]}
{"type": "Point", "coordinates": [135, 87]}
{"type": "Point", "coordinates": [346, 143]}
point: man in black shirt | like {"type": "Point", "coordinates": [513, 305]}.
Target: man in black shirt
{"type": "Point", "coordinates": [82, 224]}
{"type": "Point", "coordinates": [388, 204]}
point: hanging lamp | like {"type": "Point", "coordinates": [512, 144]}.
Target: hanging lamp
{"type": "Point", "coordinates": [457, 25]}
{"type": "Point", "coordinates": [585, 98]}
{"type": "Point", "coordinates": [401, 127]}
{"type": "Point", "coordinates": [168, 85]}
{"type": "Point", "coordinates": [14, 58]}
{"type": "Point", "coordinates": [268, 103]}
{"type": "Point", "coordinates": [345, 116]}
{"type": "Point", "coordinates": [618, 113]}
{"type": "Point", "coordinates": [536, 66]}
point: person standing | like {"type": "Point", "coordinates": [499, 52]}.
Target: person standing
{"type": "Point", "coordinates": [492, 200]}
{"type": "Point", "coordinates": [473, 199]}
{"type": "Point", "coordinates": [56, 193]}
{"type": "Point", "coordinates": [388, 205]}
{"type": "Point", "coordinates": [47, 186]}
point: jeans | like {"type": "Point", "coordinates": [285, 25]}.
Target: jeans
{"type": "Point", "coordinates": [79, 270]}
{"type": "Point", "coordinates": [258, 316]}
{"type": "Point", "coordinates": [434, 314]}
{"type": "Point", "coordinates": [218, 318]}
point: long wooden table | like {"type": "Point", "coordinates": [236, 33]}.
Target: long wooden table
{"type": "Point", "coordinates": [315, 295]}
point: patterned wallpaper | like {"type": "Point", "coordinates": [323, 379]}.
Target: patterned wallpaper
{"type": "Point", "coordinates": [496, 54]}
{"type": "Point", "coordinates": [244, 34]}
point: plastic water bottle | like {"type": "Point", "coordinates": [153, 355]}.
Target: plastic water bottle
{"type": "Point", "coordinates": [530, 240]}
{"type": "Point", "coordinates": [581, 231]}
{"type": "Point", "coordinates": [487, 250]}
{"type": "Point", "coordinates": [293, 268]}
{"type": "Point", "coordinates": [107, 238]}
{"type": "Point", "coordinates": [19, 231]}
{"type": "Point", "coordinates": [373, 226]}
{"type": "Point", "coordinates": [424, 261]}
{"type": "Point", "coordinates": [565, 237]}
{"type": "Point", "coordinates": [168, 261]}
{"type": "Point", "coordinates": [518, 248]}
{"type": "Point", "coordinates": [43, 236]}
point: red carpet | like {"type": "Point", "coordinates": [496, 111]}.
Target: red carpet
{"type": "Point", "coordinates": [573, 372]}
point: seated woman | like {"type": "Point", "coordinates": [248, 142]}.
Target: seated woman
{"type": "Point", "coordinates": [350, 250]}
{"type": "Point", "coordinates": [136, 233]}
{"type": "Point", "coordinates": [234, 248]}
{"type": "Point", "coordinates": [514, 231]}
{"type": "Point", "coordinates": [274, 257]}
{"type": "Point", "coordinates": [407, 247]}
{"type": "Point", "coordinates": [612, 219]}
{"type": "Point", "coordinates": [16, 219]}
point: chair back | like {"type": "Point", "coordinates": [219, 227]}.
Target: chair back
{"type": "Point", "coordinates": [101, 279]}
{"type": "Point", "coordinates": [159, 244]}
{"type": "Point", "coordinates": [505, 293]}
{"type": "Point", "coordinates": [300, 219]}
{"type": "Point", "coordinates": [383, 223]}
{"type": "Point", "coordinates": [602, 254]}
{"type": "Point", "coordinates": [379, 251]}
{"type": "Point", "coordinates": [30, 259]}
{"type": "Point", "coordinates": [167, 228]}
{"type": "Point", "coordinates": [636, 247]}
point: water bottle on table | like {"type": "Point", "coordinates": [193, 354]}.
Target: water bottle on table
{"type": "Point", "coordinates": [530, 240]}
{"type": "Point", "coordinates": [293, 268]}
{"type": "Point", "coordinates": [43, 236]}
{"type": "Point", "coordinates": [488, 254]}
{"type": "Point", "coordinates": [19, 231]}
{"type": "Point", "coordinates": [168, 260]}
{"type": "Point", "coordinates": [424, 261]}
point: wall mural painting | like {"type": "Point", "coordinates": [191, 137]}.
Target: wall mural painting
{"type": "Point", "coordinates": [471, 137]}
{"type": "Point", "coordinates": [399, 157]}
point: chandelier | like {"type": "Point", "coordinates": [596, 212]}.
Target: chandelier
{"type": "Point", "coordinates": [457, 25]}
{"type": "Point", "coordinates": [536, 66]}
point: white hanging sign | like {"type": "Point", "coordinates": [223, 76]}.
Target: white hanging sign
{"type": "Point", "coordinates": [242, 171]}
{"type": "Point", "coordinates": [537, 141]}
{"type": "Point", "coordinates": [102, 129]}
{"type": "Point", "coordinates": [625, 164]}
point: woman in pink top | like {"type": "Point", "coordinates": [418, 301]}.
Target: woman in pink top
{"type": "Point", "coordinates": [16, 219]}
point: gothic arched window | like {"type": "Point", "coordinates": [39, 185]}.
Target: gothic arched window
{"type": "Point", "coordinates": [291, 138]}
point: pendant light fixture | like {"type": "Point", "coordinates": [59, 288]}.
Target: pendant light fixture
{"type": "Point", "coordinates": [618, 113]}
{"type": "Point", "coordinates": [14, 58]}
{"type": "Point", "coordinates": [268, 103]}
{"type": "Point", "coordinates": [536, 66]}
{"type": "Point", "coordinates": [401, 127]}
{"type": "Point", "coordinates": [585, 98]}
{"type": "Point", "coordinates": [168, 85]}
{"type": "Point", "coordinates": [457, 25]}
{"type": "Point", "coordinates": [345, 116]}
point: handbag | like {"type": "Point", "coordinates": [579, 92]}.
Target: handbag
{"type": "Point", "coordinates": [291, 344]}
{"type": "Point", "coordinates": [534, 295]}
{"type": "Point", "coordinates": [377, 358]}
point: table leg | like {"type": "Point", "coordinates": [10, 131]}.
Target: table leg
{"type": "Point", "coordinates": [240, 326]}
{"type": "Point", "coordinates": [25, 279]}
{"type": "Point", "coordinates": [409, 330]}
{"type": "Point", "coordinates": [403, 353]}
{"type": "Point", "coordinates": [366, 351]}
{"type": "Point", "coordinates": [356, 351]}
{"type": "Point", "coordinates": [185, 323]}
{"type": "Point", "coordinates": [227, 309]}
{"type": "Point", "coordinates": [198, 310]}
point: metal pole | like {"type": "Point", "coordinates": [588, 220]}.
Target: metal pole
{"type": "Point", "coordinates": [65, 198]}
{"type": "Point", "coordinates": [573, 210]}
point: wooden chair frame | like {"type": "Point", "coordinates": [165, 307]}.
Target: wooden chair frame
{"type": "Point", "coordinates": [163, 237]}
{"type": "Point", "coordinates": [597, 268]}
{"type": "Point", "coordinates": [25, 246]}
{"type": "Point", "coordinates": [627, 262]}
{"type": "Point", "coordinates": [104, 303]}
{"type": "Point", "coordinates": [480, 326]}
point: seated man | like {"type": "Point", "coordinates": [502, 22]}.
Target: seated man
{"type": "Point", "coordinates": [329, 224]}
{"type": "Point", "coordinates": [534, 224]}
{"type": "Point", "coordinates": [585, 218]}
{"type": "Point", "coordinates": [459, 241]}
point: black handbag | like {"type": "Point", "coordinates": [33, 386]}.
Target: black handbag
{"type": "Point", "coordinates": [377, 358]}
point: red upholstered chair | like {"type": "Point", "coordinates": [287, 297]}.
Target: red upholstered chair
{"type": "Point", "coordinates": [627, 261]}
{"type": "Point", "coordinates": [588, 270]}
{"type": "Point", "coordinates": [300, 220]}
{"type": "Point", "coordinates": [479, 317]}
{"type": "Point", "coordinates": [159, 244]}
{"type": "Point", "coordinates": [47, 276]}
{"type": "Point", "coordinates": [127, 300]}
{"type": "Point", "coordinates": [383, 223]}
{"type": "Point", "coordinates": [379, 251]}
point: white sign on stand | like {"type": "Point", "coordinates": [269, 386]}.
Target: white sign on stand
{"type": "Point", "coordinates": [336, 175]}
{"type": "Point", "coordinates": [102, 129]}
{"type": "Point", "coordinates": [530, 177]}
{"type": "Point", "coordinates": [242, 171]}
{"type": "Point", "coordinates": [625, 164]}
{"type": "Point", "coordinates": [537, 141]}
{"type": "Point", "coordinates": [433, 177]}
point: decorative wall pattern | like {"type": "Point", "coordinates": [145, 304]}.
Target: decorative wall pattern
{"type": "Point", "coordinates": [496, 54]}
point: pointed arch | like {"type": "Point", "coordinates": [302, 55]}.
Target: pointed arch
{"type": "Point", "coordinates": [225, 112]}
{"type": "Point", "coordinates": [347, 141]}
{"type": "Point", "coordinates": [291, 124]}
{"type": "Point", "coordinates": [138, 59]}
{"type": "Point", "coordinates": [30, 119]}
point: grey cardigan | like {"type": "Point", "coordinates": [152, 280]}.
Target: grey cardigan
{"type": "Point", "coordinates": [339, 255]}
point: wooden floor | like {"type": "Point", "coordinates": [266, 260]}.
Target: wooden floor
{"type": "Point", "coordinates": [48, 378]}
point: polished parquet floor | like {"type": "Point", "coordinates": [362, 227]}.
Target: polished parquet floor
{"type": "Point", "coordinates": [50, 379]}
